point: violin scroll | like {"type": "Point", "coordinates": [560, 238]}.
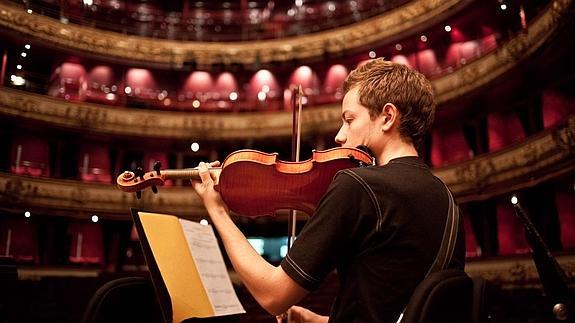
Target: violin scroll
{"type": "Point", "coordinates": [138, 180]}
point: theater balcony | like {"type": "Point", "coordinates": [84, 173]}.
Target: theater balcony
{"type": "Point", "coordinates": [91, 89]}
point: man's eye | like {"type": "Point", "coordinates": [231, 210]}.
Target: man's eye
{"type": "Point", "coordinates": [348, 121]}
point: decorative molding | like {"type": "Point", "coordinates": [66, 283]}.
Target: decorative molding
{"type": "Point", "coordinates": [516, 272]}
{"type": "Point", "coordinates": [75, 198]}
{"type": "Point", "coordinates": [492, 66]}
{"type": "Point", "coordinates": [177, 125]}
{"type": "Point", "coordinates": [162, 124]}
{"type": "Point", "coordinates": [550, 154]}
{"type": "Point", "coordinates": [175, 53]}
{"type": "Point", "coordinates": [547, 156]}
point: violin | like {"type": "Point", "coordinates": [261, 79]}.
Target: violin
{"type": "Point", "coordinates": [254, 183]}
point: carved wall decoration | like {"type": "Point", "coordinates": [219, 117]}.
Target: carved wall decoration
{"type": "Point", "coordinates": [538, 159]}
{"type": "Point", "coordinates": [546, 155]}
{"type": "Point", "coordinates": [161, 124]}
{"type": "Point", "coordinates": [492, 66]}
{"type": "Point", "coordinates": [517, 272]}
{"type": "Point", "coordinates": [175, 53]}
{"type": "Point", "coordinates": [115, 120]}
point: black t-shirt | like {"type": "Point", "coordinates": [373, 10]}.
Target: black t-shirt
{"type": "Point", "coordinates": [381, 244]}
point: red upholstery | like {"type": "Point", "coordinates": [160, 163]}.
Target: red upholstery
{"type": "Point", "coordinates": [448, 146]}
{"type": "Point", "coordinates": [30, 156]}
{"type": "Point", "coordinates": [427, 62]}
{"type": "Point", "coordinates": [472, 248]}
{"type": "Point", "coordinates": [69, 82]}
{"type": "Point", "coordinates": [510, 231]}
{"type": "Point", "coordinates": [18, 239]}
{"type": "Point", "coordinates": [504, 130]}
{"type": "Point", "coordinates": [86, 243]}
{"type": "Point", "coordinates": [94, 164]}
{"type": "Point", "coordinates": [556, 106]}
{"type": "Point", "coordinates": [101, 87]}
{"type": "Point", "coordinates": [566, 209]}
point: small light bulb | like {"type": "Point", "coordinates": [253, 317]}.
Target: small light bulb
{"type": "Point", "coordinates": [204, 222]}
{"type": "Point", "coordinates": [195, 146]}
{"type": "Point", "coordinates": [27, 214]}
{"type": "Point", "coordinates": [447, 28]}
{"type": "Point", "coordinates": [95, 218]}
{"type": "Point", "coordinates": [514, 200]}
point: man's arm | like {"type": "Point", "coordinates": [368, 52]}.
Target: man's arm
{"type": "Point", "coordinates": [273, 289]}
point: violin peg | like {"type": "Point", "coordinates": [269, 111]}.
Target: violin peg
{"type": "Point", "coordinates": [139, 172]}
{"type": "Point", "coordinates": [154, 189]}
{"type": "Point", "coordinates": [157, 167]}
{"type": "Point", "coordinates": [138, 194]}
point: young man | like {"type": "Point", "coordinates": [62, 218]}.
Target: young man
{"type": "Point", "coordinates": [380, 227]}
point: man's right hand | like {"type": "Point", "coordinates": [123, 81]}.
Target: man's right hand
{"type": "Point", "coordinates": [302, 315]}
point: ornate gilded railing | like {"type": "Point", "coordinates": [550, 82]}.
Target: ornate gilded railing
{"type": "Point", "coordinates": [494, 65]}
{"type": "Point", "coordinates": [547, 156]}
{"type": "Point", "coordinates": [158, 124]}
{"type": "Point", "coordinates": [386, 26]}
{"type": "Point", "coordinates": [143, 123]}
{"type": "Point", "coordinates": [516, 272]}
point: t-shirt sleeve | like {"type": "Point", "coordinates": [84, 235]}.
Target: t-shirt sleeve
{"type": "Point", "coordinates": [328, 234]}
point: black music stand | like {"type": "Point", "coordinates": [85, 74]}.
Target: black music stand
{"type": "Point", "coordinates": [552, 276]}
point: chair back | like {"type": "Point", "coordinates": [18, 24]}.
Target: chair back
{"type": "Point", "coordinates": [8, 281]}
{"type": "Point", "coordinates": [129, 299]}
{"type": "Point", "coordinates": [444, 296]}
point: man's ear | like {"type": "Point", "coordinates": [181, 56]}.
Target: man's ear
{"type": "Point", "coordinates": [389, 115]}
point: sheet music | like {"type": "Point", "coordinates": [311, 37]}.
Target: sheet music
{"type": "Point", "coordinates": [211, 267]}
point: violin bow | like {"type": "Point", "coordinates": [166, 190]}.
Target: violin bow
{"type": "Point", "coordinates": [297, 94]}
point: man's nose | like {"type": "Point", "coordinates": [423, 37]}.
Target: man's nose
{"type": "Point", "coordinates": [340, 138]}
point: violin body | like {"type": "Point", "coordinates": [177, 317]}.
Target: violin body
{"type": "Point", "coordinates": [254, 183]}
{"type": "Point", "coordinates": [269, 184]}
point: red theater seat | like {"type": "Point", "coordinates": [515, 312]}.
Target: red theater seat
{"type": "Point", "coordinates": [472, 248]}
{"type": "Point", "coordinates": [556, 107]}
{"type": "Point", "coordinates": [504, 129]}
{"type": "Point", "coordinates": [448, 146]}
{"type": "Point", "coordinates": [510, 231]}
{"type": "Point", "coordinates": [30, 156]}
{"type": "Point", "coordinates": [94, 164]}
{"type": "Point", "coordinates": [566, 208]}
{"type": "Point", "coordinates": [86, 243]}
{"type": "Point", "coordinates": [19, 240]}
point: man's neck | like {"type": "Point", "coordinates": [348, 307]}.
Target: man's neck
{"type": "Point", "coordinates": [395, 150]}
